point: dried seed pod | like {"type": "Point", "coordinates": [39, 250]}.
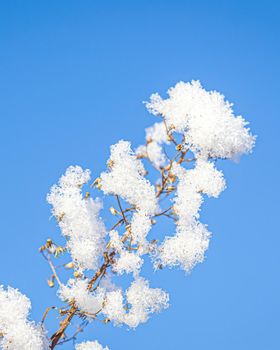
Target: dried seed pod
{"type": "Point", "coordinates": [113, 211]}
{"type": "Point", "coordinates": [69, 265]}
{"type": "Point", "coordinates": [172, 178]}
{"type": "Point", "coordinates": [49, 243]}
{"type": "Point", "coordinates": [110, 164]}
{"type": "Point", "coordinates": [97, 183]}
{"type": "Point", "coordinates": [58, 251]}
{"type": "Point", "coordinates": [168, 167]}
{"type": "Point", "coordinates": [76, 274]}
{"type": "Point", "coordinates": [179, 147]}
{"type": "Point", "coordinates": [50, 283]}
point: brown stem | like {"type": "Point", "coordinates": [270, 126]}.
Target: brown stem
{"type": "Point", "coordinates": [73, 337]}
{"type": "Point", "coordinates": [164, 212]}
{"type": "Point", "coordinates": [98, 274]}
{"type": "Point", "coordinates": [46, 313]}
{"type": "Point", "coordinates": [121, 209]}
{"type": "Point", "coordinates": [59, 333]}
{"type": "Point", "coordinates": [180, 161]}
{"type": "Point", "coordinates": [65, 323]}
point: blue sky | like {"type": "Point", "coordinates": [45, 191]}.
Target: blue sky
{"type": "Point", "coordinates": [73, 75]}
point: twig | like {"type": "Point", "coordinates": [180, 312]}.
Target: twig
{"type": "Point", "coordinates": [121, 209]}
{"type": "Point", "coordinates": [80, 329]}
{"type": "Point", "coordinates": [46, 313]}
{"type": "Point", "coordinates": [54, 271]}
{"type": "Point", "coordinates": [164, 212]}
{"type": "Point", "coordinates": [47, 257]}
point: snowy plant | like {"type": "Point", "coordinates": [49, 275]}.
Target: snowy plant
{"type": "Point", "coordinates": [194, 129]}
{"type": "Point", "coordinates": [16, 331]}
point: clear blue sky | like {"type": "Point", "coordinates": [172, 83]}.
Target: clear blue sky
{"type": "Point", "coordinates": [73, 75]}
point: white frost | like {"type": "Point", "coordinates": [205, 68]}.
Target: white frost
{"type": "Point", "coordinates": [18, 333]}
{"type": "Point", "coordinates": [141, 301]}
{"type": "Point", "coordinates": [78, 217]}
{"type": "Point", "coordinates": [205, 118]}
{"type": "Point", "coordinates": [126, 179]}
{"type": "Point", "coordinates": [76, 290]}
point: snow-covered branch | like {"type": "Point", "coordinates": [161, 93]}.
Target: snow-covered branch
{"type": "Point", "coordinates": [195, 128]}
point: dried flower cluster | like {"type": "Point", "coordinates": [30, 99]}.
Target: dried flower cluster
{"type": "Point", "coordinates": [195, 128]}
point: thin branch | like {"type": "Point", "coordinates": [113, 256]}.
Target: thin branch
{"type": "Point", "coordinates": [80, 329]}
{"type": "Point", "coordinates": [46, 313]}
{"type": "Point", "coordinates": [164, 212]}
{"type": "Point", "coordinates": [121, 209]}
{"type": "Point", "coordinates": [183, 153]}
{"type": "Point", "coordinates": [59, 333]}
{"type": "Point", "coordinates": [47, 257]}
{"type": "Point", "coordinates": [54, 270]}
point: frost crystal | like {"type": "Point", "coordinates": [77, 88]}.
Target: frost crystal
{"type": "Point", "coordinates": [204, 178]}
{"type": "Point", "coordinates": [90, 345]}
{"type": "Point", "coordinates": [144, 301]}
{"type": "Point", "coordinates": [114, 308]}
{"type": "Point", "coordinates": [187, 247]}
{"type": "Point", "coordinates": [18, 333]}
{"type": "Point", "coordinates": [155, 154]}
{"type": "Point", "coordinates": [157, 133]}
{"type": "Point", "coordinates": [156, 136]}
{"type": "Point", "coordinates": [78, 217]}
{"type": "Point", "coordinates": [140, 227]}
{"type": "Point", "coordinates": [127, 263]}
{"type": "Point", "coordinates": [206, 120]}
{"type": "Point", "coordinates": [116, 241]}
{"type": "Point", "coordinates": [76, 290]}
{"type": "Point", "coordinates": [126, 179]}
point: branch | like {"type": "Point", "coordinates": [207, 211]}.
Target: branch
{"type": "Point", "coordinates": [108, 259]}
{"type": "Point", "coordinates": [46, 313]}
{"type": "Point", "coordinates": [59, 333]}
